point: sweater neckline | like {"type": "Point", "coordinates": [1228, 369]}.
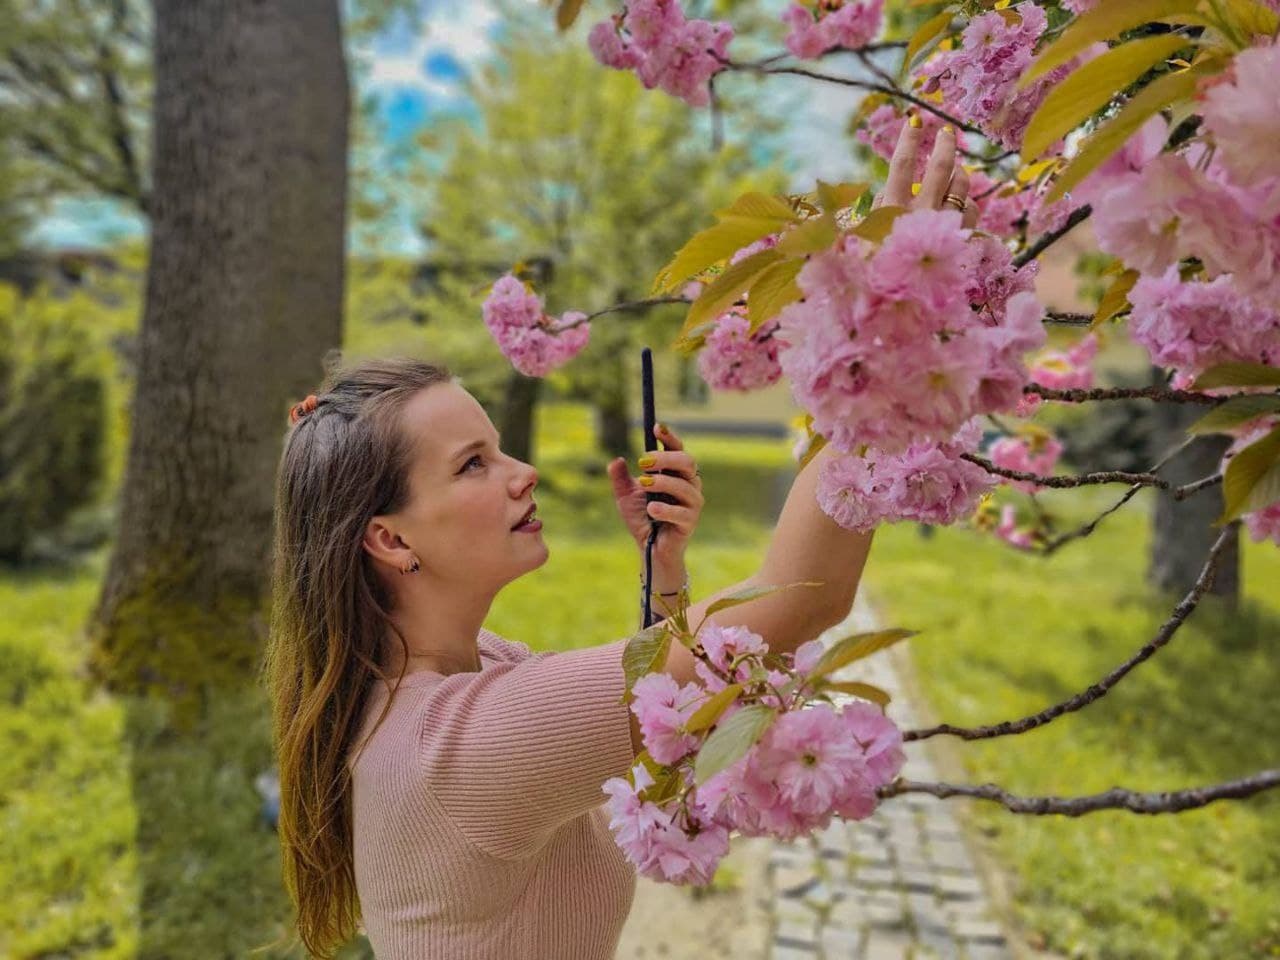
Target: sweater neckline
{"type": "Point", "coordinates": [419, 678]}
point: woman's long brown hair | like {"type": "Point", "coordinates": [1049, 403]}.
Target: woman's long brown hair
{"type": "Point", "coordinates": [344, 462]}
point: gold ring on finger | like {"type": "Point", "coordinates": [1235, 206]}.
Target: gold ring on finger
{"type": "Point", "coordinates": [956, 201]}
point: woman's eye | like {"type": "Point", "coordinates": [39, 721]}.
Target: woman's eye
{"type": "Point", "coordinates": [475, 458]}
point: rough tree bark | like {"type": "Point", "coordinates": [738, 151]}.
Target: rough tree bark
{"type": "Point", "coordinates": [518, 410]}
{"type": "Point", "coordinates": [243, 299]}
{"type": "Point", "coordinates": [1182, 530]}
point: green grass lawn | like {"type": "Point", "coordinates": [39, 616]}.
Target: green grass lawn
{"type": "Point", "coordinates": [1005, 634]}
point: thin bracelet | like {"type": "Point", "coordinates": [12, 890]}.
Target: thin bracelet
{"type": "Point", "coordinates": [684, 588]}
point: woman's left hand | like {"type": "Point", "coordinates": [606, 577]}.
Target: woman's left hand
{"type": "Point", "coordinates": [679, 518]}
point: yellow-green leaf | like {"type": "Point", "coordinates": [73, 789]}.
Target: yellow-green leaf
{"type": "Point", "coordinates": [1238, 375]}
{"type": "Point", "coordinates": [725, 289]}
{"type": "Point", "coordinates": [1104, 22]}
{"type": "Point", "coordinates": [1229, 415]}
{"type": "Point", "coordinates": [1092, 87]}
{"type": "Point", "coordinates": [855, 647]}
{"type": "Point", "coordinates": [709, 712]}
{"type": "Point", "coordinates": [1252, 478]}
{"type": "Point", "coordinates": [868, 106]}
{"type": "Point", "coordinates": [816, 442]}
{"type": "Point", "coordinates": [711, 246]}
{"type": "Point", "coordinates": [864, 690]}
{"type": "Point", "coordinates": [1112, 135]}
{"type": "Point", "coordinates": [774, 289]}
{"type": "Point", "coordinates": [754, 593]}
{"type": "Point", "coordinates": [878, 223]}
{"type": "Point", "coordinates": [761, 206]}
{"type": "Point", "coordinates": [925, 34]}
{"type": "Point", "coordinates": [1116, 298]}
{"type": "Point", "coordinates": [731, 741]}
{"type": "Point", "coordinates": [836, 196]}
{"type": "Point", "coordinates": [816, 233]}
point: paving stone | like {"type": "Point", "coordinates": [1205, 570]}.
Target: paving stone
{"type": "Point", "coordinates": [789, 951]}
{"type": "Point", "coordinates": [888, 945]}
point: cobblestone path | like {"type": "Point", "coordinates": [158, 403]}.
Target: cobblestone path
{"type": "Point", "coordinates": [900, 885]}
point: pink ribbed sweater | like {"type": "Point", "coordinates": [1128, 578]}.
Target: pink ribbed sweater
{"type": "Point", "coordinates": [479, 830]}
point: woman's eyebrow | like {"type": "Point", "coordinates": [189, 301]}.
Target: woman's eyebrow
{"type": "Point", "coordinates": [473, 445]}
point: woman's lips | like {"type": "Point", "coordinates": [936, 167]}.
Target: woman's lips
{"type": "Point", "coordinates": [533, 526]}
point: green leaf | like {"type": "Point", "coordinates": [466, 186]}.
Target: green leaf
{"type": "Point", "coordinates": [1092, 87]}
{"type": "Point", "coordinates": [1104, 22]}
{"type": "Point", "coordinates": [856, 647]}
{"type": "Point", "coordinates": [731, 741]}
{"type": "Point", "coordinates": [1238, 375]}
{"type": "Point", "coordinates": [709, 712]}
{"type": "Point", "coordinates": [878, 223]}
{"type": "Point", "coordinates": [748, 594]}
{"type": "Point", "coordinates": [864, 690]}
{"type": "Point", "coordinates": [1116, 298]}
{"type": "Point", "coordinates": [1252, 478]}
{"type": "Point", "coordinates": [709, 247]}
{"type": "Point", "coordinates": [1110, 137]}
{"type": "Point", "coordinates": [774, 289]}
{"type": "Point", "coordinates": [645, 652]}
{"type": "Point", "coordinates": [724, 290]}
{"type": "Point", "coordinates": [1237, 410]}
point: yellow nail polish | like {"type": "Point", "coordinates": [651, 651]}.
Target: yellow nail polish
{"type": "Point", "coordinates": [645, 481]}
{"type": "Point", "coordinates": [915, 189]}
{"type": "Point", "coordinates": [914, 120]}
{"type": "Point", "coordinates": [948, 128]}
{"type": "Point", "coordinates": [647, 461]}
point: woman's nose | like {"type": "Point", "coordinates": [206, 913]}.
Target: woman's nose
{"type": "Point", "coordinates": [527, 478]}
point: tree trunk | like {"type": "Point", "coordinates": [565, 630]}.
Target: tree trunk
{"type": "Point", "coordinates": [243, 299]}
{"type": "Point", "coordinates": [613, 418]}
{"type": "Point", "coordinates": [1183, 531]}
{"type": "Point", "coordinates": [517, 415]}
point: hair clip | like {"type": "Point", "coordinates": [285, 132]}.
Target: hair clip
{"type": "Point", "coordinates": [301, 409]}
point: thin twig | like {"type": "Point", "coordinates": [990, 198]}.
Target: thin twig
{"type": "Point", "coordinates": [1076, 217]}
{"type": "Point", "coordinates": [1117, 798]}
{"type": "Point", "coordinates": [1099, 689]}
{"type": "Point", "coordinates": [619, 307]}
{"type": "Point", "coordinates": [1079, 480]}
{"type": "Point", "coordinates": [1068, 319]}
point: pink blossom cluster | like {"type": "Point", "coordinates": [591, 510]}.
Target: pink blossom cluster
{"type": "Point", "coordinates": [928, 483]}
{"type": "Point", "coordinates": [735, 359]}
{"type": "Point", "coordinates": [535, 343]}
{"type": "Point", "coordinates": [1009, 531]}
{"type": "Point", "coordinates": [813, 763]}
{"type": "Point", "coordinates": [1192, 326]}
{"type": "Point", "coordinates": [977, 79]}
{"type": "Point", "coordinates": [1262, 524]}
{"type": "Point", "coordinates": [883, 126]}
{"type": "Point", "coordinates": [833, 23]}
{"type": "Point", "coordinates": [1070, 369]}
{"type": "Point", "coordinates": [666, 50]}
{"type": "Point", "coordinates": [1002, 207]}
{"type": "Point", "coordinates": [1035, 453]}
{"type": "Point", "coordinates": [885, 348]}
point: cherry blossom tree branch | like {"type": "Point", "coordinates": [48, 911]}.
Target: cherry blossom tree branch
{"type": "Point", "coordinates": [1076, 217]}
{"type": "Point", "coordinates": [1068, 319]}
{"type": "Point", "coordinates": [1162, 394]}
{"type": "Point", "coordinates": [889, 91]}
{"type": "Point", "coordinates": [1117, 798]}
{"type": "Point", "coordinates": [1099, 689]}
{"type": "Point", "coordinates": [1091, 479]}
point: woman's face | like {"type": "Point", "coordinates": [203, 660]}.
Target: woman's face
{"type": "Point", "coordinates": [465, 494]}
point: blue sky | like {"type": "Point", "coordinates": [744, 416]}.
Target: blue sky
{"type": "Point", "coordinates": [413, 72]}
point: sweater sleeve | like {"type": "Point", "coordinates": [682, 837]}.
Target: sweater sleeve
{"type": "Point", "coordinates": [517, 750]}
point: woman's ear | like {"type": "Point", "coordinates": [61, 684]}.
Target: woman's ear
{"type": "Point", "coordinates": [383, 543]}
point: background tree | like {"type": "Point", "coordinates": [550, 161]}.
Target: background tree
{"type": "Point", "coordinates": [243, 298]}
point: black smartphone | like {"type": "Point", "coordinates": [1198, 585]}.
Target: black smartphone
{"type": "Point", "coordinates": [650, 418]}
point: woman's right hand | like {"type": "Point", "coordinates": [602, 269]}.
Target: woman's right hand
{"type": "Point", "coordinates": [943, 175]}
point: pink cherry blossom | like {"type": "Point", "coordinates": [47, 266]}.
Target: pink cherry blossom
{"type": "Point", "coordinates": [661, 707]}
{"type": "Point", "coordinates": [1035, 453]}
{"type": "Point", "coordinates": [722, 646]}
{"type": "Point", "coordinates": [1192, 326]}
{"type": "Point", "coordinates": [733, 359]}
{"type": "Point", "coordinates": [1242, 114]}
{"type": "Point", "coordinates": [1009, 532]}
{"type": "Point", "coordinates": [844, 23]}
{"type": "Point", "coordinates": [1066, 369]}
{"type": "Point", "coordinates": [533, 342]}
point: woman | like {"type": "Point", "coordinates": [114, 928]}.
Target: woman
{"type": "Point", "coordinates": [437, 781]}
